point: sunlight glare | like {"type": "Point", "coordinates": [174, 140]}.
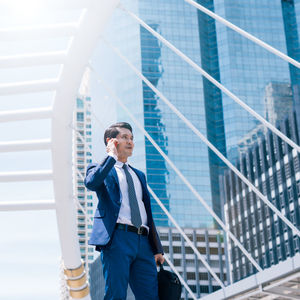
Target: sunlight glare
{"type": "Point", "coordinates": [25, 10]}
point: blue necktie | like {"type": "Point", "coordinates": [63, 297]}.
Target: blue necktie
{"type": "Point", "coordinates": [136, 219]}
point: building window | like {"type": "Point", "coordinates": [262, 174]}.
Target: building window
{"type": "Point", "coordinates": [293, 217]}
{"type": "Point", "coordinates": [287, 248]}
{"type": "Point", "coordinates": [244, 271]}
{"type": "Point", "coordinates": [203, 276]}
{"type": "Point", "coordinates": [269, 232]}
{"type": "Point", "coordinates": [298, 187]}
{"type": "Point", "coordinates": [259, 215]}
{"type": "Point", "coordinates": [80, 117]}
{"type": "Point", "coordinates": [264, 259]}
{"type": "Point", "coordinates": [267, 211]}
{"type": "Point", "coordinates": [250, 268]}
{"type": "Point", "coordinates": [79, 103]}
{"type": "Point", "coordinates": [279, 254]}
{"type": "Point", "coordinates": [290, 194]}
{"type": "Point", "coordinates": [281, 198]}
{"type": "Point", "coordinates": [238, 274]}
{"type": "Point", "coordinates": [255, 242]}
{"type": "Point", "coordinates": [271, 257]}
{"type": "Point", "coordinates": [277, 228]}
{"type": "Point", "coordinates": [296, 244]}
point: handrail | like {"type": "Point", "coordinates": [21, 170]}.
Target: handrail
{"type": "Point", "coordinates": [214, 81]}
{"type": "Point", "coordinates": [245, 34]}
{"type": "Point", "coordinates": [192, 189]}
{"type": "Point", "coordinates": [208, 143]}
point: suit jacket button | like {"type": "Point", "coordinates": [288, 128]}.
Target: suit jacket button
{"type": "Point", "coordinates": [116, 214]}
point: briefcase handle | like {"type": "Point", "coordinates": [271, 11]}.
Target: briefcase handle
{"type": "Point", "coordinates": [161, 267]}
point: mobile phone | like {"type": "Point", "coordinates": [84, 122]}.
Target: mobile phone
{"type": "Point", "coordinates": [116, 143]}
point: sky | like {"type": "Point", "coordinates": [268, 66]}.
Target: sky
{"type": "Point", "coordinates": [30, 253]}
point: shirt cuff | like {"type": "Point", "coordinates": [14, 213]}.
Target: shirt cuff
{"type": "Point", "coordinates": [113, 155]}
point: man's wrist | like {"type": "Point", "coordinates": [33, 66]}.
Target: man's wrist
{"type": "Point", "coordinates": [113, 155]}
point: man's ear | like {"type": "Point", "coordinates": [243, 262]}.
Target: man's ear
{"type": "Point", "coordinates": [107, 139]}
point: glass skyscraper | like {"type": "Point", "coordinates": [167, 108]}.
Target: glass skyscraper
{"type": "Point", "coordinates": [183, 87]}
{"type": "Point", "coordinates": [243, 67]}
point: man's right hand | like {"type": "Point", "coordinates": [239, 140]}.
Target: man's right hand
{"type": "Point", "coordinates": [111, 146]}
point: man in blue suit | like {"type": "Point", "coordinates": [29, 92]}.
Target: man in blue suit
{"type": "Point", "coordinates": [123, 228]}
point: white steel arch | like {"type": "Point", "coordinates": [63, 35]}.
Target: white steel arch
{"type": "Point", "coordinates": [84, 36]}
{"type": "Point", "coordinates": [272, 128]}
{"type": "Point", "coordinates": [91, 24]}
{"type": "Point", "coordinates": [244, 33]}
{"type": "Point", "coordinates": [74, 61]}
{"type": "Point", "coordinates": [196, 131]}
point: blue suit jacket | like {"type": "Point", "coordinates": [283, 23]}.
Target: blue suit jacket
{"type": "Point", "coordinates": [102, 178]}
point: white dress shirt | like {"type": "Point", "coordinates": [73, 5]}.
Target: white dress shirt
{"type": "Point", "coordinates": [125, 213]}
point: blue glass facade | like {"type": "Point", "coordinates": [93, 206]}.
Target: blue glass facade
{"type": "Point", "coordinates": [213, 99]}
{"type": "Point", "coordinates": [246, 68]}
{"type": "Point", "coordinates": [243, 67]}
{"type": "Point", "coordinates": [274, 168]}
{"type": "Point", "coordinates": [183, 86]}
{"type": "Point", "coordinates": [157, 172]}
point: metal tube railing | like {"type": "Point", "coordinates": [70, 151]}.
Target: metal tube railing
{"type": "Point", "coordinates": [210, 145]}
{"type": "Point", "coordinates": [214, 81]}
{"type": "Point", "coordinates": [192, 189]}
{"type": "Point", "coordinates": [245, 33]}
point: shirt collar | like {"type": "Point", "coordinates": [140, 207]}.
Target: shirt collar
{"type": "Point", "coordinates": [119, 164]}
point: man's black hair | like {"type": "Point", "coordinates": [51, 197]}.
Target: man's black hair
{"type": "Point", "coordinates": [113, 130]}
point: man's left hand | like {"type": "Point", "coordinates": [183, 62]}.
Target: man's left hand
{"type": "Point", "coordinates": [159, 259]}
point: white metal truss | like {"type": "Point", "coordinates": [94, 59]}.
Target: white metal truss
{"type": "Point", "coordinates": [281, 281]}
{"type": "Point", "coordinates": [190, 125]}
{"type": "Point", "coordinates": [244, 33]}
{"type": "Point", "coordinates": [294, 229]}
{"type": "Point", "coordinates": [83, 36]}
{"type": "Point", "coordinates": [189, 242]}
{"type": "Point", "coordinates": [192, 189]}
{"type": "Point", "coordinates": [213, 81]}
{"type": "Point", "coordinates": [198, 133]}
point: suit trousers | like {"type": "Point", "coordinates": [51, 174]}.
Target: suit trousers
{"type": "Point", "coordinates": [129, 259]}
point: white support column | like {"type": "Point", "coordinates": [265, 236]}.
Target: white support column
{"type": "Point", "coordinates": [29, 60]}
{"type": "Point", "coordinates": [26, 114]}
{"type": "Point", "coordinates": [27, 205]}
{"type": "Point", "coordinates": [35, 33]}
{"type": "Point", "coordinates": [39, 175]}
{"type": "Point", "coordinates": [91, 25]}
{"type": "Point", "coordinates": [205, 140]}
{"type": "Point", "coordinates": [245, 34]}
{"type": "Point", "coordinates": [25, 145]}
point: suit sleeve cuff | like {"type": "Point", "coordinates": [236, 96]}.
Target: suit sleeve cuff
{"type": "Point", "coordinates": [113, 155]}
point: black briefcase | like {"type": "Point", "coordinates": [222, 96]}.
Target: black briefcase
{"type": "Point", "coordinates": [169, 286]}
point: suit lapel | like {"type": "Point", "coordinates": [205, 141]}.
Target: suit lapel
{"type": "Point", "coordinates": [142, 181]}
{"type": "Point", "coordinates": [138, 174]}
{"type": "Point", "coordinates": [115, 176]}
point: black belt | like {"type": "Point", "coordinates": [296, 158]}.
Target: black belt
{"type": "Point", "coordinates": [141, 230]}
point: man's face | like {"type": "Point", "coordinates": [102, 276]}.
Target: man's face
{"type": "Point", "coordinates": [125, 142]}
